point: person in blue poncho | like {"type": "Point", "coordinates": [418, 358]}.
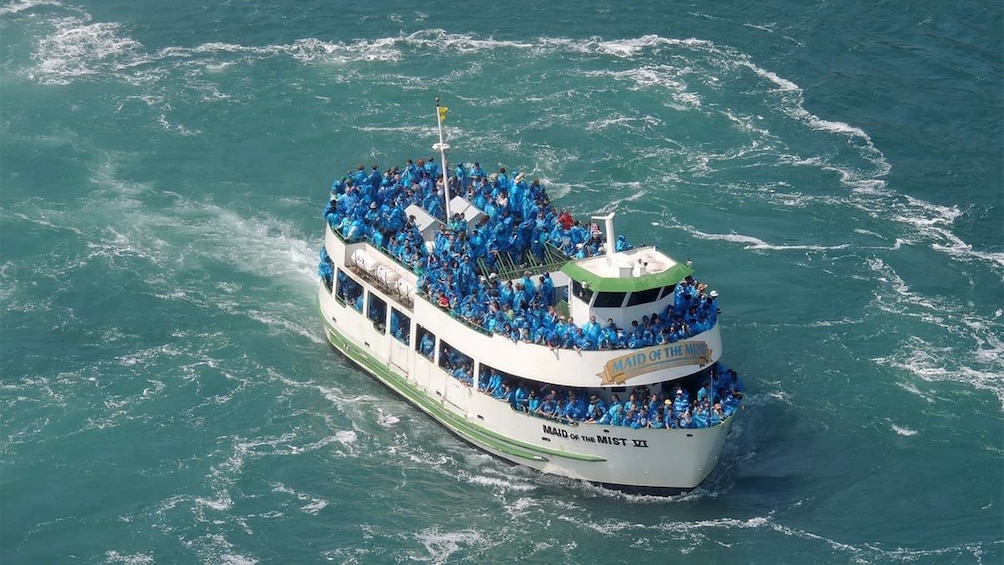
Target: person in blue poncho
{"type": "Point", "coordinates": [684, 420]}
{"type": "Point", "coordinates": [432, 167]}
{"type": "Point", "coordinates": [427, 344]}
{"type": "Point", "coordinates": [704, 393]}
{"type": "Point", "coordinates": [462, 375]}
{"type": "Point", "coordinates": [681, 400]}
{"type": "Point", "coordinates": [375, 178]}
{"type": "Point", "coordinates": [735, 384]}
{"type": "Point", "coordinates": [546, 289]}
{"type": "Point", "coordinates": [520, 397]}
{"type": "Point", "coordinates": [592, 329]}
{"type": "Point", "coordinates": [656, 422]}
{"type": "Point", "coordinates": [731, 402]}
{"type": "Point", "coordinates": [548, 405]}
{"type": "Point", "coordinates": [596, 409]}
{"type": "Point", "coordinates": [359, 177]}
{"type": "Point", "coordinates": [699, 419]}
{"type": "Point", "coordinates": [494, 383]}
{"type": "Point", "coordinates": [532, 402]}
{"type": "Point", "coordinates": [571, 410]}
{"type": "Point", "coordinates": [717, 415]}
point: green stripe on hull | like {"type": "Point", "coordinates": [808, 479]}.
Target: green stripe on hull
{"type": "Point", "coordinates": [471, 432]}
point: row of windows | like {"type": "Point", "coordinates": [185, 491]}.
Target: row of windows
{"type": "Point", "coordinates": [350, 292]}
{"type": "Point", "coordinates": [451, 360]}
{"type": "Point", "coordinates": [616, 299]}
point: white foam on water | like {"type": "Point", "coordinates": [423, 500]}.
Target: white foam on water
{"type": "Point", "coordinates": [501, 483]}
{"type": "Point", "coordinates": [521, 507]}
{"type": "Point", "coordinates": [113, 556]}
{"type": "Point", "coordinates": [346, 437]}
{"type": "Point", "coordinates": [622, 122]}
{"type": "Point", "coordinates": [282, 325]}
{"type": "Point", "coordinates": [757, 244]}
{"type": "Point", "coordinates": [19, 6]}
{"type": "Point", "coordinates": [387, 420]}
{"type": "Point", "coordinates": [936, 364]}
{"type": "Point", "coordinates": [313, 504]}
{"type": "Point", "coordinates": [220, 504]}
{"type": "Point", "coordinates": [441, 545]}
{"type": "Point", "coordinates": [215, 548]}
{"type": "Point", "coordinates": [925, 354]}
{"type": "Point", "coordinates": [903, 431]}
{"type": "Point", "coordinates": [608, 528]}
{"type": "Point", "coordinates": [80, 49]}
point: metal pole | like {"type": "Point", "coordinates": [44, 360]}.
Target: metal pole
{"type": "Point", "coordinates": [442, 146]}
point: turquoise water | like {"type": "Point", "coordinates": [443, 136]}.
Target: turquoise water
{"type": "Point", "coordinates": [834, 170]}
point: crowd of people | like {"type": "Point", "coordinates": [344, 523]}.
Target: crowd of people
{"type": "Point", "coordinates": [459, 272]}
{"type": "Point", "coordinates": [699, 401]}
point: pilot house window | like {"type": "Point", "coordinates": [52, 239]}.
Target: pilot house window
{"type": "Point", "coordinates": [644, 296]}
{"type": "Point", "coordinates": [609, 299]}
{"type": "Point", "coordinates": [581, 291]}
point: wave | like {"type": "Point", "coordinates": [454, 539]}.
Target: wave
{"type": "Point", "coordinates": [948, 342]}
{"type": "Point", "coordinates": [79, 48]}
{"type": "Point", "coordinates": [440, 544]}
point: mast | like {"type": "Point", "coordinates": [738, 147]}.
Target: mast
{"type": "Point", "coordinates": [442, 147]}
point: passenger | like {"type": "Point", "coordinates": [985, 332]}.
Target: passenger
{"type": "Point", "coordinates": [462, 375]}
{"type": "Point", "coordinates": [735, 383]}
{"type": "Point", "coordinates": [616, 414]}
{"type": "Point", "coordinates": [631, 404]}
{"type": "Point", "coordinates": [656, 421]}
{"type": "Point", "coordinates": [520, 398]}
{"type": "Point", "coordinates": [606, 419]}
{"type": "Point", "coordinates": [533, 402]}
{"type": "Point", "coordinates": [654, 408]}
{"type": "Point", "coordinates": [717, 414]}
{"type": "Point", "coordinates": [548, 405]}
{"type": "Point", "coordinates": [684, 420]}
{"type": "Point", "coordinates": [731, 403]}
{"type": "Point", "coordinates": [594, 411]}
{"type": "Point", "coordinates": [681, 401]}
{"type": "Point", "coordinates": [700, 418]}
{"type": "Point", "coordinates": [494, 383]}
{"type": "Point", "coordinates": [592, 329]}
{"type": "Point", "coordinates": [503, 392]}
{"type": "Point", "coordinates": [640, 420]}
{"type": "Point", "coordinates": [704, 393]}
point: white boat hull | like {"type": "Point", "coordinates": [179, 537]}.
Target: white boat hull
{"type": "Point", "coordinates": [636, 459]}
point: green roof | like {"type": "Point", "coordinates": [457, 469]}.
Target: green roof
{"type": "Point", "coordinates": [596, 283]}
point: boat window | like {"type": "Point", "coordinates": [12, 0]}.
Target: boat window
{"type": "Point", "coordinates": [400, 326]}
{"type": "Point", "coordinates": [425, 342]}
{"type": "Point", "coordinates": [491, 380]}
{"type": "Point", "coordinates": [377, 312]}
{"type": "Point", "coordinates": [562, 294]}
{"type": "Point", "coordinates": [326, 269]}
{"type": "Point", "coordinates": [348, 291]}
{"type": "Point", "coordinates": [581, 291]}
{"type": "Point", "coordinates": [667, 290]}
{"type": "Point", "coordinates": [455, 363]}
{"type": "Point", "coordinates": [609, 299]}
{"type": "Point", "coordinates": [644, 296]}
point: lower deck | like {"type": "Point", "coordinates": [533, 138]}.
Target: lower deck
{"type": "Point", "coordinates": [640, 457]}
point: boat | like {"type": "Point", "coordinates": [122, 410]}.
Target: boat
{"type": "Point", "coordinates": [462, 292]}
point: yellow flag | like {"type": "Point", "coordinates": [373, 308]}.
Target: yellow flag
{"type": "Point", "coordinates": [442, 113]}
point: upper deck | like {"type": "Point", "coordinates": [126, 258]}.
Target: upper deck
{"type": "Point", "coordinates": [592, 297]}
